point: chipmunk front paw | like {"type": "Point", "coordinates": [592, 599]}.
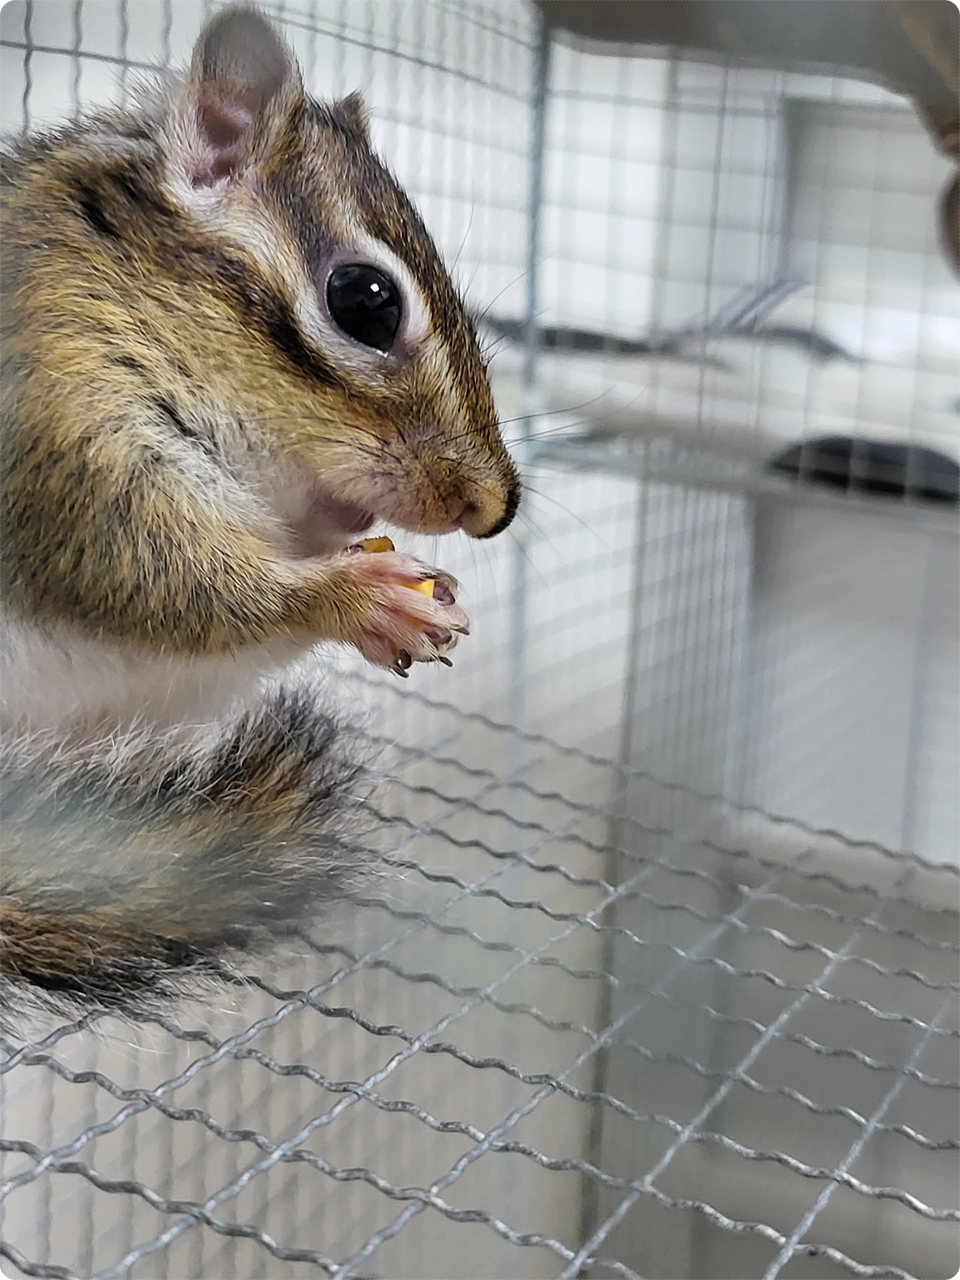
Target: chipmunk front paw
{"type": "Point", "coordinates": [411, 612]}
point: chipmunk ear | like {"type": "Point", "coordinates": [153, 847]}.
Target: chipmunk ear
{"type": "Point", "coordinates": [242, 79]}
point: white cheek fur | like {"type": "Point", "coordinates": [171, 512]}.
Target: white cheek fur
{"type": "Point", "coordinates": [234, 212]}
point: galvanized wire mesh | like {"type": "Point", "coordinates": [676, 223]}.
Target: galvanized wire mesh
{"type": "Point", "coordinates": [605, 1012]}
{"type": "Point", "coordinates": [565, 1028]}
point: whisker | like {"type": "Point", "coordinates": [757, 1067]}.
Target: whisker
{"type": "Point", "coordinates": [480, 316]}
{"type": "Point", "coordinates": [463, 241]}
{"type": "Point", "coordinates": [532, 524]}
{"type": "Point", "coordinates": [591, 529]}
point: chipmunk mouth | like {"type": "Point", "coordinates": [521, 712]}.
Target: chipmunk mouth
{"type": "Point", "coordinates": [328, 524]}
{"type": "Point", "coordinates": [347, 517]}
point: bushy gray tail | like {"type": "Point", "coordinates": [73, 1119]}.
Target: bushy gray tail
{"type": "Point", "coordinates": [128, 866]}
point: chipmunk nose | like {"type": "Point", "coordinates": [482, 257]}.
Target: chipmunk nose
{"type": "Point", "coordinates": [488, 509]}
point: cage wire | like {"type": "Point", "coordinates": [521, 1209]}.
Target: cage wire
{"type": "Point", "coordinates": [660, 976]}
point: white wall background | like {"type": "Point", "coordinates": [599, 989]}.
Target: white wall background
{"type": "Point", "coordinates": [670, 187]}
{"type": "Point", "coordinates": [801, 658]}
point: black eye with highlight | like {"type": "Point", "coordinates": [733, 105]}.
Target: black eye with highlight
{"type": "Point", "coordinates": [365, 304]}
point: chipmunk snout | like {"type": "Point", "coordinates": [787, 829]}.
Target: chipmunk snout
{"type": "Point", "coordinates": [478, 491]}
{"type": "Point", "coordinates": [489, 508]}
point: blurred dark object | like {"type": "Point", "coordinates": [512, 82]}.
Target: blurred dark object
{"type": "Point", "coordinates": [811, 342]}
{"type": "Point", "coordinates": [743, 316]}
{"type": "Point", "coordinates": [950, 223]}
{"type": "Point", "coordinates": [943, 123]}
{"type": "Point", "coordinates": [870, 466]}
{"type": "Point", "coordinates": [818, 346]}
{"type": "Point", "coordinates": [596, 342]}
{"type": "Point", "coordinates": [909, 46]}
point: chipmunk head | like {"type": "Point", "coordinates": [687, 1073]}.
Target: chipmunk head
{"type": "Point", "coordinates": [354, 353]}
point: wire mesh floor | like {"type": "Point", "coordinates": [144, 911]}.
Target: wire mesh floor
{"type": "Point", "coordinates": [586, 1024]}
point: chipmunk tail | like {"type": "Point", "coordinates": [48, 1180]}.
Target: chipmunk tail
{"type": "Point", "coordinates": [133, 866]}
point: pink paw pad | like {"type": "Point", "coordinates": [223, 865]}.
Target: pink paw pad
{"type": "Point", "coordinates": [414, 615]}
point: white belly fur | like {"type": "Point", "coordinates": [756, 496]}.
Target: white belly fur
{"type": "Point", "coordinates": [49, 680]}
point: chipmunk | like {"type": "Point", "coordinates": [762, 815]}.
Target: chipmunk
{"type": "Point", "coordinates": [229, 345]}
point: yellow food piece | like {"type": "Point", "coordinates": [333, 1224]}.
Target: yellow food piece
{"type": "Point", "coordinates": [384, 544]}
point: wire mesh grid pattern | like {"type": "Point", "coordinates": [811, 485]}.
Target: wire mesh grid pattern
{"type": "Point", "coordinates": [748, 965]}
{"type": "Point", "coordinates": [603, 1014]}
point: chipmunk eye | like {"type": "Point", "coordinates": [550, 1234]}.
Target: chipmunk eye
{"type": "Point", "coordinates": [365, 304]}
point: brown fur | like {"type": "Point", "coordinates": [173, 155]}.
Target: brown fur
{"type": "Point", "coordinates": [124, 316]}
{"type": "Point", "coordinates": [165, 347]}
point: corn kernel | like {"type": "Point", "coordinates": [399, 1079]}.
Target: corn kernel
{"type": "Point", "coordinates": [377, 544]}
{"type": "Point", "coordinates": [426, 587]}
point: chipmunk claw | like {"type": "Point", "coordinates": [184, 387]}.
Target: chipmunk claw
{"type": "Point", "coordinates": [412, 613]}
